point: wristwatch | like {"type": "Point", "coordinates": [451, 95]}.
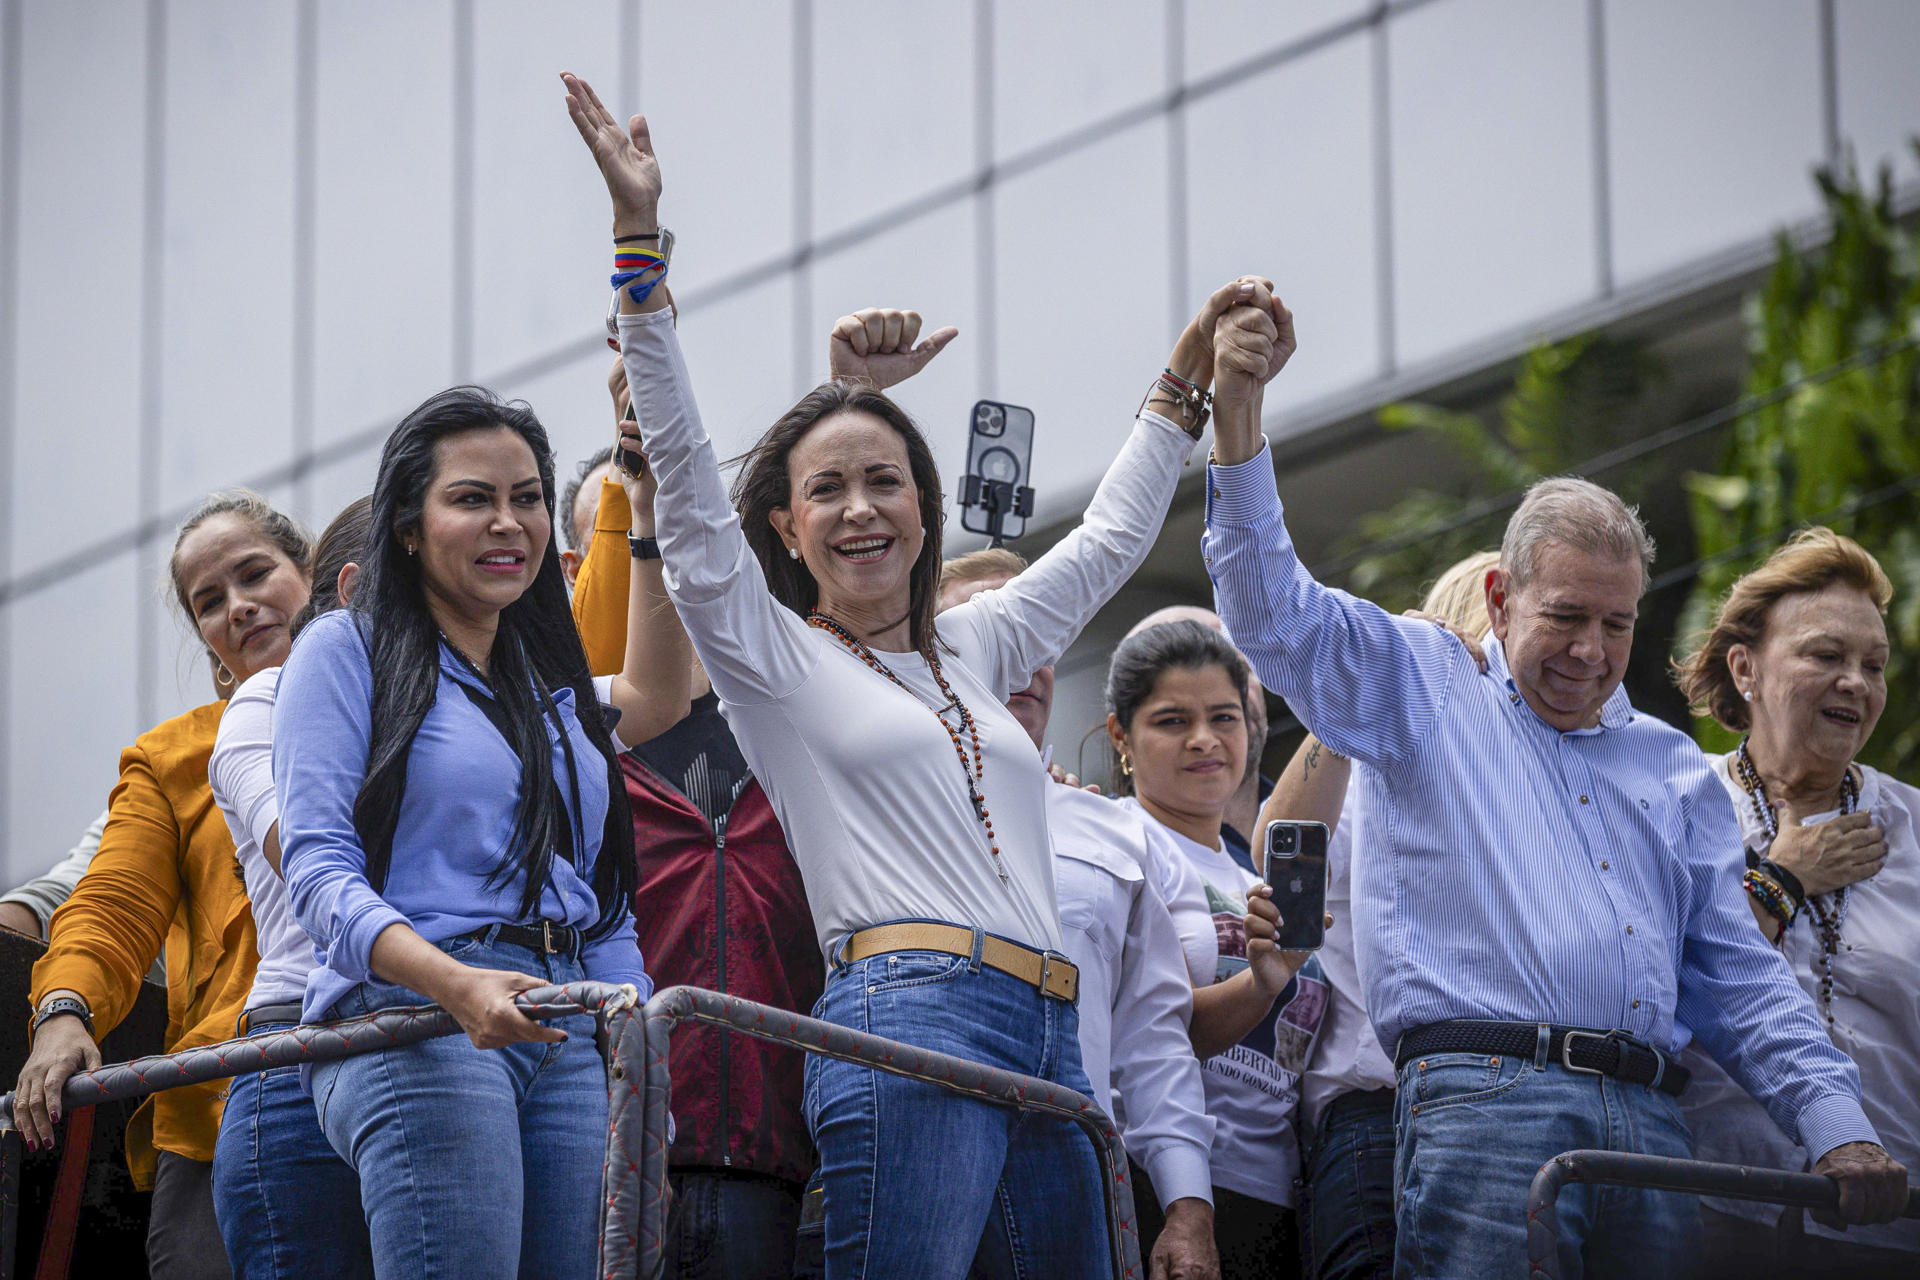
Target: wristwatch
{"type": "Point", "coordinates": [665, 237]}
{"type": "Point", "coordinates": [643, 548]}
{"type": "Point", "coordinates": [65, 1004]}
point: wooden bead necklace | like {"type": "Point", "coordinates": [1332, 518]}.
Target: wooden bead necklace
{"type": "Point", "coordinates": [974, 769]}
{"type": "Point", "coordinates": [1828, 916]}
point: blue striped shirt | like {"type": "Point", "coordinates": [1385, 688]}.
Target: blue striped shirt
{"type": "Point", "coordinates": [1514, 871]}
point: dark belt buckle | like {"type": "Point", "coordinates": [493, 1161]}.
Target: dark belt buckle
{"type": "Point", "coordinates": [1566, 1049]}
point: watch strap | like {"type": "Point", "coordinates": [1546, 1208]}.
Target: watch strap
{"type": "Point", "coordinates": [643, 548]}
{"type": "Point", "coordinates": [65, 1004]}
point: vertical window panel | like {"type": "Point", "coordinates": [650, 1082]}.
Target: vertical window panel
{"type": "Point", "coordinates": [1224, 33]}
{"type": "Point", "coordinates": [1879, 93]}
{"type": "Point", "coordinates": [226, 409]}
{"type": "Point", "coordinates": [384, 226]}
{"type": "Point", "coordinates": [1295, 205]}
{"type": "Point", "coordinates": [1083, 307]}
{"type": "Point", "coordinates": [1492, 158]}
{"type": "Point", "coordinates": [1063, 65]}
{"type": "Point", "coordinates": [542, 244]}
{"type": "Point", "coordinates": [1715, 125]}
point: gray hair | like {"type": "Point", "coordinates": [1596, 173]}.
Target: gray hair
{"type": "Point", "coordinates": [1575, 513]}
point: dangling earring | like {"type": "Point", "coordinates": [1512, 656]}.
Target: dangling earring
{"type": "Point", "coordinates": [223, 677]}
{"type": "Point", "coordinates": [1126, 764]}
{"type": "Point", "coordinates": [793, 553]}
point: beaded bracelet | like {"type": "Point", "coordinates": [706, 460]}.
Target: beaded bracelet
{"type": "Point", "coordinates": [1786, 880]}
{"type": "Point", "coordinates": [1763, 889]}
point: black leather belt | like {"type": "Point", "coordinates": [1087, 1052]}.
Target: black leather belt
{"type": "Point", "coordinates": [547, 938]}
{"type": "Point", "coordinates": [1600, 1053]}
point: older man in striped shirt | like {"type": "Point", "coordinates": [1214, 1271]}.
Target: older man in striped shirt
{"type": "Point", "coordinates": [1552, 898]}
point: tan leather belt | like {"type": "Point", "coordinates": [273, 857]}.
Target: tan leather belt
{"type": "Point", "coordinates": [1052, 973]}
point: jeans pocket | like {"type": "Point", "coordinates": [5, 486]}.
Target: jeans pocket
{"type": "Point", "coordinates": [916, 969]}
{"type": "Point", "coordinates": [1456, 1079]}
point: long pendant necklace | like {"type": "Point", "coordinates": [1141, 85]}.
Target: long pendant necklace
{"type": "Point", "coordinates": [974, 767]}
{"type": "Point", "coordinates": [1828, 916]}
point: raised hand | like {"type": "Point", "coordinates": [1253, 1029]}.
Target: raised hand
{"type": "Point", "coordinates": [1829, 855]}
{"type": "Point", "coordinates": [1251, 343]}
{"type": "Point", "coordinates": [877, 346]}
{"type": "Point", "coordinates": [624, 154]}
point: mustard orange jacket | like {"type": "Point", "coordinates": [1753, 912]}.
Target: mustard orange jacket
{"type": "Point", "coordinates": [600, 590]}
{"type": "Point", "coordinates": [166, 873]}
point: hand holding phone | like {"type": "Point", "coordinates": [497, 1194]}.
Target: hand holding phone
{"type": "Point", "coordinates": [626, 446]}
{"type": "Point", "coordinates": [1295, 865]}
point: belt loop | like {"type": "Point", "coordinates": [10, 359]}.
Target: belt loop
{"type": "Point", "coordinates": [979, 945]}
{"type": "Point", "coordinates": [489, 934]}
{"type": "Point", "coordinates": [1659, 1067]}
{"type": "Point", "coordinates": [1540, 1047]}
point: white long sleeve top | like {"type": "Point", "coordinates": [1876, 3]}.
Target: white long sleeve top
{"type": "Point", "coordinates": [1136, 1002]}
{"type": "Point", "coordinates": [1876, 1013]}
{"type": "Point", "coordinates": [860, 772]}
{"type": "Point", "coordinates": [241, 773]}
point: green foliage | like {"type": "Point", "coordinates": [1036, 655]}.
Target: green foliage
{"type": "Point", "coordinates": [1570, 400]}
{"type": "Point", "coordinates": [1844, 451]}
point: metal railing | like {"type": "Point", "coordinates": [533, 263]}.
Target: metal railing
{"type": "Point", "coordinates": [1662, 1173]}
{"type": "Point", "coordinates": [635, 1044]}
{"type": "Point", "coordinates": [956, 1075]}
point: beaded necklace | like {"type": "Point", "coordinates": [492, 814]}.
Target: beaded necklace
{"type": "Point", "coordinates": [974, 767]}
{"type": "Point", "coordinates": [1828, 916]}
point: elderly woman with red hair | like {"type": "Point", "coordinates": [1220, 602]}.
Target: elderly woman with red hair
{"type": "Point", "coordinates": [1796, 661]}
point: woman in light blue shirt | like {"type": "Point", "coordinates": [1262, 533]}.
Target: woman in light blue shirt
{"type": "Point", "coordinates": [454, 829]}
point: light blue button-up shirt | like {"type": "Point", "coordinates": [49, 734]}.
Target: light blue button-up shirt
{"type": "Point", "coordinates": [1514, 871]}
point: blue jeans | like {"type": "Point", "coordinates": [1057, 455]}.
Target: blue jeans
{"type": "Point", "coordinates": [922, 1183]}
{"type": "Point", "coordinates": [287, 1204]}
{"type": "Point", "coordinates": [1347, 1220]}
{"type": "Point", "coordinates": [729, 1225]}
{"type": "Point", "coordinates": [474, 1163]}
{"type": "Point", "coordinates": [1473, 1130]}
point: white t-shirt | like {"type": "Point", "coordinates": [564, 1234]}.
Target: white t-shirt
{"type": "Point", "coordinates": [1135, 997]}
{"type": "Point", "coordinates": [1876, 1013]}
{"type": "Point", "coordinates": [862, 773]}
{"type": "Point", "coordinates": [241, 772]}
{"type": "Point", "coordinates": [1253, 1087]}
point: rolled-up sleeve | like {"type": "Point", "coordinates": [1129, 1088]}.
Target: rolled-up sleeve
{"type": "Point", "coordinates": [322, 726]}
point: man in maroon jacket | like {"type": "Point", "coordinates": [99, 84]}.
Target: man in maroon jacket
{"type": "Point", "coordinates": [719, 905]}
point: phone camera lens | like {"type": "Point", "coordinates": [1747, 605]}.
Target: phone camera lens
{"type": "Point", "coordinates": [1285, 838]}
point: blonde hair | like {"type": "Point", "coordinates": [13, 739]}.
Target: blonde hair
{"type": "Point", "coordinates": [1812, 560]}
{"type": "Point", "coordinates": [1460, 594]}
{"type": "Point", "coordinates": [977, 566]}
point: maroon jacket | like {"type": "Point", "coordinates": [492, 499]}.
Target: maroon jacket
{"type": "Point", "coordinates": [727, 913]}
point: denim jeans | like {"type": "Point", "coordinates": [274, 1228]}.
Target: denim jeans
{"type": "Point", "coordinates": [729, 1225]}
{"type": "Point", "coordinates": [1347, 1219]}
{"type": "Point", "coordinates": [474, 1163]}
{"type": "Point", "coordinates": [288, 1205]}
{"type": "Point", "coordinates": [1474, 1129]}
{"type": "Point", "coordinates": [922, 1183]}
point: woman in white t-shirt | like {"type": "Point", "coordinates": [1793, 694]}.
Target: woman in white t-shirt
{"type": "Point", "coordinates": [1796, 661]}
{"type": "Point", "coordinates": [912, 800]}
{"type": "Point", "coordinates": [1176, 714]}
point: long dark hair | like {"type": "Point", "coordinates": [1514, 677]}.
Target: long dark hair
{"type": "Point", "coordinates": [535, 650]}
{"type": "Point", "coordinates": [762, 487]}
{"type": "Point", "coordinates": [343, 543]}
{"type": "Point", "coordinates": [1145, 656]}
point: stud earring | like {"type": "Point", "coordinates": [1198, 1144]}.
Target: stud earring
{"type": "Point", "coordinates": [1747, 694]}
{"type": "Point", "coordinates": [793, 553]}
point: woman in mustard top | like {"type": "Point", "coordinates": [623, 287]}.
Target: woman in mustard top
{"type": "Point", "coordinates": [166, 874]}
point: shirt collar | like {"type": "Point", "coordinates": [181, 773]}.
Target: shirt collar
{"type": "Point", "coordinates": [1616, 713]}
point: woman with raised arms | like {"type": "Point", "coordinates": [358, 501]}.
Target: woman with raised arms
{"type": "Point", "coordinates": [913, 802]}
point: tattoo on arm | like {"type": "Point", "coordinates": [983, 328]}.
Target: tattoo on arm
{"type": "Point", "coordinates": [1313, 758]}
